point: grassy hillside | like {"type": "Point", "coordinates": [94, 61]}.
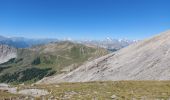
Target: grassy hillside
{"type": "Point", "coordinates": [109, 90]}
{"type": "Point", "coordinates": [37, 62]}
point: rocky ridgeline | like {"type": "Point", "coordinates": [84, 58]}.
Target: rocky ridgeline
{"type": "Point", "coordinates": [7, 53]}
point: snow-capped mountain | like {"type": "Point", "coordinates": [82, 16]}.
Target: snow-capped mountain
{"type": "Point", "coordinates": [109, 43]}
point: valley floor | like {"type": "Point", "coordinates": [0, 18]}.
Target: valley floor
{"type": "Point", "coordinates": [118, 90]}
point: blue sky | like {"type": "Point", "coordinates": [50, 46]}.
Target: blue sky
{"type": "Point", "coordinates": [84, 19]}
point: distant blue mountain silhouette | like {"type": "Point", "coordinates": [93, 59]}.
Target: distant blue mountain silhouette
{"type": "Point", "coordinates": [20, 42]}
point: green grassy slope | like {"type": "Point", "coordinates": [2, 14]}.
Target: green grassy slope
{"type": "Point", "coordinates": [37, 62]}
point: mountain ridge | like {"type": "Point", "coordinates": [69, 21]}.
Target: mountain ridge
{"type": "Point", "coordinates": [108, 43]}
{"type": "Point", "coordinates": [21, 42]}
{"type": "Point", "coordinates": [32, 64]}
{"type": "Point", "coordinates": [145, 60]}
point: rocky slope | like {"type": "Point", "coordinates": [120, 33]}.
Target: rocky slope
{"type": "Point", "coordinates": [7, 53]}
{"type": "Point", "coordinates": [146, 60]}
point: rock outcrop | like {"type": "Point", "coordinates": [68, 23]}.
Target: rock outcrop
{"type": "Point", "coordinates": [7, 53]}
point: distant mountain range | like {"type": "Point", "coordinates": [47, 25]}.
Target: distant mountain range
{"type": "Point", "coordinates": [20, 42]}
{"type": "Point", "coordinates": [107, 43]}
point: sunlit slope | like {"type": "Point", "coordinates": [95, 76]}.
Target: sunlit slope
{"type": "Point", "coordinates": [146, 60]}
